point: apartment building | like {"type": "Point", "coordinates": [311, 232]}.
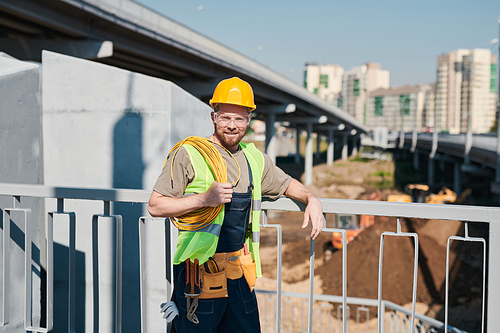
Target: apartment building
{"type": "Point", "coordinates": [401, 108]}
{"type": "Point", "coordinates": [465, 90]}
{"type": "Point", "coordinates": [357, 83]}
{"type": "Point", "coordinates": [325, 81]}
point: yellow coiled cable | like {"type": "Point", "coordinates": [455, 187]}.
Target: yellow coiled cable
{"type": "Point", "coordinates": [201, 218]}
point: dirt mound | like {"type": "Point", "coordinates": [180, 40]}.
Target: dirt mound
{"type": "Point", "coordinates": [368, 173]}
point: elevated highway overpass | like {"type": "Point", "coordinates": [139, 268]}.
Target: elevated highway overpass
{"type": "Point", "coordinates": [467, 154]}
{"type": "Point", "coordinates": [127, 35]}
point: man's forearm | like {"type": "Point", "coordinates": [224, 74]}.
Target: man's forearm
{"type": "Point", "coordinates": [163, 206]}
{"type": "Point", "coordinates": [298, 192]}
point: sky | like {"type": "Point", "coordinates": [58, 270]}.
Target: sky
{"type": "Point", "coordinates": [405, 37]}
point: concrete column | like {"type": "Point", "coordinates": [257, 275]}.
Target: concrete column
{"type": "Point", "coordinates": [271, 136]}
{"type": "Point", "coordinates": [401, 140]}
{"type": "Point", "coordinates": [345, 148]}
{"type": "Point", "coordinates": [318, 140]}
{"type": "Point", "coordinates": [434, 145]}
{"type": "Point", "coordinates": [430, 172]}
{"type": "Point", "coordinates": [442, 165]}
{"type": "Point", "coordinates": [414, 138]}
{"type": "Point", "coordinates": [330, 151]}
{"type": "Point", "coordinates": [416, 160]}
{"type": "Point", "coordinates": [297, 145]}
{"type": "Point", "coordinates": [468, 139]}
{"type": "Point", "coordinates": [383, 135]}
{"type": "Point", "coordinates": [457, 178]}
{"type": "Point", "coordinates": [354, 151]}
{"type": "Point", "coordinates": [309, 156]}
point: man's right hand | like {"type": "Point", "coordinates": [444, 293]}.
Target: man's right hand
{"type": "Point", "coordinates": [218, 194]}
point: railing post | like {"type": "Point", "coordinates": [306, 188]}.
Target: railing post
{"type": "Point", "coordinates": [279, 240]}
{"type": "Point", "coordinates": [156, 282]}
{"type": "Point", "coordinates": [346, 314]}
{"type": "Point", "coordinates": [463, 239]}
{"type": "Point", "coordinates": [367, 319]}
{"type": "Point", "coordinates": [4, 320]}
{"type": "Point", "coordinates": [50, 277]}
{"type": "Point", "coordinates": [311, 286]}
{"type": "Point", "coordinates": [114, 271]}
{"type": "Point", "coordinates": [415, 272]}
{"type": "Point", "coordinates": [285, 302]}
{"type": "Point", "coordinates": [71, 306]}
{"type": "Point", "coordinates": [344, 276]}
{"type": "Point", "coordinates": [28, 263]}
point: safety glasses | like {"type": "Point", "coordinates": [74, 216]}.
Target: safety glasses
{"type": "Point", "coordinates": [224, 120]}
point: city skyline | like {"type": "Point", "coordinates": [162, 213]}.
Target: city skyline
{"type": "Point", "coordinates": [284, 36]}
{"type": "Point", "coordinates": [462, 98]}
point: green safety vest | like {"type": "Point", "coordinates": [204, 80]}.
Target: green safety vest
{"type": "Point", "coordinates": [201, 244]}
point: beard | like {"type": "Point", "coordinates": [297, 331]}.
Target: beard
{"type": "Point", "coordinates": [228, 142]}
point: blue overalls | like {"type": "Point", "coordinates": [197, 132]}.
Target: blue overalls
{"type": "Point", "coordinates": [238, 312]}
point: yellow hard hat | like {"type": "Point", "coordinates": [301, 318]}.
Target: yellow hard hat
{"type": "Point", "coordinates": [234, 91]}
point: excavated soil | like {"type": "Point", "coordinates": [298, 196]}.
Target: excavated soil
{"type": "Point", "coordinates": [357, 180]}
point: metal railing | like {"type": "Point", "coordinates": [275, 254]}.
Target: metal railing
{"type": "Point", "coordinates": [469, 214]}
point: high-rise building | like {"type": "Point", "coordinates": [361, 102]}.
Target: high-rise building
{"type": "Point", "coordinates": [324, 80]}
{"type": "Point", "coordinates": [356, 85]}
{"type": "Point", "coordinates": [465, 91]}
{"type": "Point", "coordinates": [400, 108]}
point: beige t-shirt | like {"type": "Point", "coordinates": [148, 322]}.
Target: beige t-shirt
{"type": "Point", "coordinates": [274, 180]}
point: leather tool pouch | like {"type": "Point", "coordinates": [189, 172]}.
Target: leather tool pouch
{"type": "Point", "coordinates": [233, 269]}
{"type": "Point", "coordinates": [249, 269]}
{"type": "Point", "coordinates": [213, 285]}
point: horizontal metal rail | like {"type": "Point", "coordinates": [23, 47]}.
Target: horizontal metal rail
{"type": "Point", "coordinates": [396, 209]}
{"type": "Point", "coordinates": [337, 206]}
{"type": "Point", "coordinates": [79, 193]}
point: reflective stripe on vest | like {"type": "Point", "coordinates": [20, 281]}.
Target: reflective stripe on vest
{"type": "Point", "coordinates": [212, 229]}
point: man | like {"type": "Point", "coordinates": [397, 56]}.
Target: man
{"type": "Point", "coordinates": [217, 261]}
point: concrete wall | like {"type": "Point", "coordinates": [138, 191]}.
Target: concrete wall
{"type": "Point", "coordinates": [20, 115]}
{"type": "Point", "coordinates": [107, 127]}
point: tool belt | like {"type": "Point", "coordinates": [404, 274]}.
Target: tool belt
{"type": "Point", "coordinates": [222, 266]}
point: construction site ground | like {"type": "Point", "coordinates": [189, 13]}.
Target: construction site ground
{"type": "Point", "coordinates": [357, 179]}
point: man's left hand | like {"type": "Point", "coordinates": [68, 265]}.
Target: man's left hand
{"type": "Point", "coordinates": [314, 212]}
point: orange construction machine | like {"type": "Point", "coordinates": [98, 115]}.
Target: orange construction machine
{"type": "Point", "coordinates": [420, 193]}
{"type": "Point", "coordinates": [352, 225]}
